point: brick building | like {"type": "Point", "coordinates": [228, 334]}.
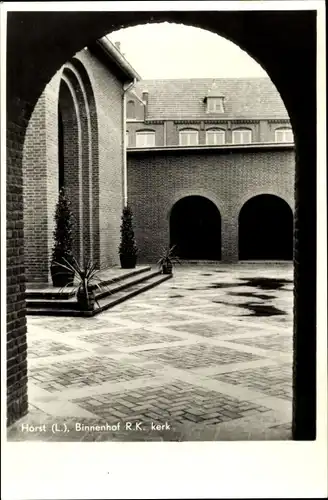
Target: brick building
{"type": "Point", "coordinates": [211, 169]}
{"type": "Point", "coordinates": [75, 139]}
{"type": "Point", "coordinates": [206, 164]}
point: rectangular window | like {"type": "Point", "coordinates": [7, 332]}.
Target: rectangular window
{"type": "Point", "coordinates": [188, 138]}
{"type": "Point", "coordinates": [215, 137]}
{"type": "Point", "coordinates": [241, 136]}
{"type": "Point", "coordinates": [284, 135]}
{"type": "Point", "coordinates": [214, 105]}
{"type": "Point", "coordinates": [145, 139]}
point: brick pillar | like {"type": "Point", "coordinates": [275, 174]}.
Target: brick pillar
{"type": "Point", "coordinates": [17, 402]}
{"type": "Point", "coordinates": [35, 195]}
{"type": "Point", "coordinates": [264, 132]}
{"type": "Point", "coordinates": [229, 238]}
{"type": "Point", "coordinates": [228, 138]}
{"type": "Point", "coordinates": [304, 376]}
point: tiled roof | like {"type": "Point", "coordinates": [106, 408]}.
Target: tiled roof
{"type": "Point", "coordinates": [250, 98]}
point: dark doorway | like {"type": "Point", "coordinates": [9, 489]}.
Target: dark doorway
{"type": "Point", "coordinates": [266, 229]}
{"type": "Point", "coordinates": [195, 229]}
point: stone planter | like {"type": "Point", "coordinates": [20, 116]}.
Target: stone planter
{"type": "Point", "coordinates": [86, 303]}
{"type": "Point", "coordinates": [60, 276]}
{"type": "Point", "coordinates": [128, 261]}
{"type": "Point", "coordinates": [167, 268]}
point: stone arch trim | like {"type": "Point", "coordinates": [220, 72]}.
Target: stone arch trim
{"type": "Point", "coordinates": [242, 201]}
{"type": "Point", "coordinates": [211, 127]}
{"type": "Point", "coordinates": [73, 158]}
{"type": "Point", "coordinates": [82, 72]}
{"type": "Point", "coordinates": [199, 192]}
{"type": "Point", "coordinates": [145, 130]}
{"type": "Point", "coordinates": [85, 188]}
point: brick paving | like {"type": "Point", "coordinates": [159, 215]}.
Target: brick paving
{"type": "Point", "coordinates": [271, 380]}
{"type": "Point", "coordinates": [176, 403]}
{"type": "Point", "coordinates": [127, 338]}
{"type": "Point", "coordinates": [276, 342]}
{"type": "Point", "coordinates": [184, 356]}
{"type": "Point", "coordinates": [196, 356]}
{"type": "Point", "coordinates": [86, 371]}
{"type": "Point", "coordinates": [45, 347]}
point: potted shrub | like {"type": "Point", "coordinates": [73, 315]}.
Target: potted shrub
{"type": "Point", "coordinates": [167, 260]}
{"type": "Point", "coordinates": [128, 248]}
{"type": "Point", "coordinates": [63, 242]}
{"type": "Point", "coordinates": [86, 281]}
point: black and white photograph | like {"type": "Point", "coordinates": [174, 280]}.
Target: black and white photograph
{"type": "Point", "coordinates": [163, 184]}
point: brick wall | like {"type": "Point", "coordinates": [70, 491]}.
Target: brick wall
{"type": "Point", "coordinates": [17, 402]}
{"type": "Point", "coordinates": [92, 108]}
{"type": "Point", "coordinates": [157, 180]}
{"type": "Point", "coordinates": [167, 132]}
{"type": "Point", "coordinates": [40, 171]}
{"type": "Point", "coordinates": [134, 126]}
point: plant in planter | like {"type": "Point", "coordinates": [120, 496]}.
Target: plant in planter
{"type": "Point", "coordinates": [128, 248]}
{"type": "Point", "coordinates": [63, 242]}
{"type": "Point", "coordinates": [86, 282]}
{"type": "Point", "coordinates": [167, 260]}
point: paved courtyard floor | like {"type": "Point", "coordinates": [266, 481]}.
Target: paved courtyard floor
{"type": "Point", "coordinates": [206, 355]}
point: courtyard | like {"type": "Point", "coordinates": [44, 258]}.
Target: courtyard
{"type": "Point", "coordinates": [207, 355]}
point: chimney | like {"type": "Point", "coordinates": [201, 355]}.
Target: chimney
{"type": "Point", "coordinates": [118, 46]}
{"type": "Point", "coordinates": [145, 100]}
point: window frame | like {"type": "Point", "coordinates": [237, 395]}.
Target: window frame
{"type": "Point", "coordinates": [146, 133]}
{"type": "Point", "coordinates": [241, 131]}
{"type": "Point", "coordinates": [220, 131]}
{"type": "Point", "coordinates": [217, 102]}
{"type": "Point", "coordinates": [283, 130]}
{"type": "Point", "coordinates": [185, 132]}
{"type": "Point", "coordinates": [134, 110]}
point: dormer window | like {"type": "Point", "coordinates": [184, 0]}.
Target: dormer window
{"type": "Point", "coordinates": [214, 100]}
{"type": "Point", "coordinates": [215, 105]}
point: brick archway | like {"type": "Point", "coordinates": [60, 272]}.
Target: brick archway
{"type": "Point", "coordinates": [284, 43]}
{"type": "Point", "coordinates": [265, 229]}
{"type": "Point", "coordinates": [195, 229]}
{"type": "Point", "coordinates": [68, 155]}
{"type": "Point", "coordinates": [74, 156]}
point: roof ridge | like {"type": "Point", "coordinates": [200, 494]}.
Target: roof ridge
{"type": "Point", "coordinates": [144, 80]}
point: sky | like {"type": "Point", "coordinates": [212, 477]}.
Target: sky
{"type": "Point", "coordinates": [177, 51]}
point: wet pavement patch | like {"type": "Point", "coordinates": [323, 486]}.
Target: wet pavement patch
{"type": "Point", "coordinates": [263, 310]}
{"type": "Point", "coordinates": [266, 283]}
{"type": "Point", "coordinates": [255, 308]}
{"type": "Point", "coordinates": [224, 285]}
{"type": "Point", "coordinates": [254, 295]}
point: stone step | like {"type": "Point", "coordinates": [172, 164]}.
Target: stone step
{"type": "Point", "coordinates": [59, 302]}
{"type": "Point", "coordinates": [104, 303]}
{"type": "Point", "coordinates": [53, 293]}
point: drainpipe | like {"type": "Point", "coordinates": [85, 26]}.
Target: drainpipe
{"type": "Point", "coordinates": [125, 176]}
